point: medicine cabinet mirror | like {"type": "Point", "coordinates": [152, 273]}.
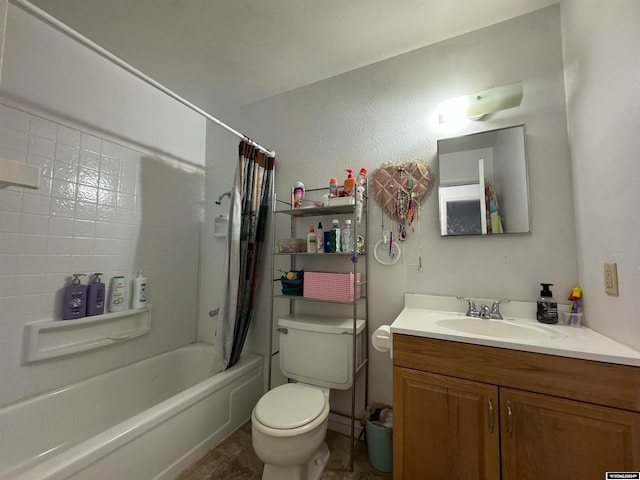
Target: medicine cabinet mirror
{"type": "Point", "coordinates": [483, 187]}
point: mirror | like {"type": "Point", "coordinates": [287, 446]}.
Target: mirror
{"type": "Point", "coordinates": [483, 187]}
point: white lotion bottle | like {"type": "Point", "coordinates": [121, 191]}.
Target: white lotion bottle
{"type": "Point", "coordinates": [117, 294]}
{"type": "Point", "coordinates": [139, 295]}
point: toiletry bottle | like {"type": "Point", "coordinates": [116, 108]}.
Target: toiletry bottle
{"type": "Point", "coordinates": [311, 241]}
{"type": "Point", "coordinates": [349, 182]}
{"type": "Point", "coordinates": [335, 236]}
{"type": "Point", "coordinates": [75, 299]}
{"type": "Point", "coordinates": [359, 202]}
{"type": "Point", "coordinates": [117, 294]}
{"type": "Point", "coordinates": [95, 296]}
{"type": "Point", "coordinates": [319, 238]}
{"type": "Point", "coordinates": [347, 237]}
{"type": "Point", "coordinates": [547, 305]}
{"type": "Point", "coordinates": [361, 177]}
{"type": "Point", "coordinates": [139, 293]}
{"type": "Point", "coordinates": [298, 194]}
{"type": "Point", "coordinates": [333, 187]}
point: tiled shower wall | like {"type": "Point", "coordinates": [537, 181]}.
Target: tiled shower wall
{"type": "Point", "coordinates": [101, 207]}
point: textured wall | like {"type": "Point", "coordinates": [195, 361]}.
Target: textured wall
{"type": "Point", "coordinates": [384, 112]}
{"type": "Point", "coordinates": [602, 67]}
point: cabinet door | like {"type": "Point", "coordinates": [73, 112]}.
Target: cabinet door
{"type": "Point", "coordinates": [550, 438]}
{"type": "Point", "coordinates": [444, 428]}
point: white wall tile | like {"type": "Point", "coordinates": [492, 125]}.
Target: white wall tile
{"type": "Point", "coordinates": [42, 147]}
{"type": "Point", "coordinates": [33, 244]}
{"type": "Point", "coordinates": [10, 117]}
{"type": "Point", "coordinates": [67, 153]}
{"type": "Point", "coordinates": [68, 136]}
{"type": "Point", "coordinates": [8, 242]}
{"type": "Point", "coordinates": [37, 204]}
{"type": "Point", "coordinates": [110, 149]}
{"type": "Point", "coordinates": [90, 160]}
{"type": "Point", "coordinates": [88, 216]}
{"type": "Point", "coordinates": [10, 200]}
{"type": "Point", "coordinates": [43, 128]}
{"type": "Point", "coordinates": [61, 207]}
{"type": "Point", "coordinates": [65, 171]}
{"type": "Point", "coordinates": [62, 189]}
{"type": "Point", "coordinates": [36, 224]}
{"type": "Point", "coordinates": [13, 139]}
{"type": "Point", "coordinates": [90, 143]}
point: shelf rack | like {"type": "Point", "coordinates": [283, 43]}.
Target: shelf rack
{"type": "Point", "coordinates": [362, 301]}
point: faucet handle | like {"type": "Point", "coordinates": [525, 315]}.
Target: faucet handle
{"type": "Point", "coordinates": [471, 307]}
{"type": "Point", "coordinates": [495, 308]}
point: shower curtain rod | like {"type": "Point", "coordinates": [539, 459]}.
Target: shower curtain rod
{"type": "Point", "coordinates": [57, 24]}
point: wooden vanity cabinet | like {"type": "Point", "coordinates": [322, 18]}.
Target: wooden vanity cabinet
{"type": "Point", "coordinates": [466, 411]}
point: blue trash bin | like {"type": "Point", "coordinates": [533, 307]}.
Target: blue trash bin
{"type": "Point", "coordinates": [380, 446]}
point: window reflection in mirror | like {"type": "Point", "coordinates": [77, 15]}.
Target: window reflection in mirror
{"type": "Point", "coordinates": [483, 187]}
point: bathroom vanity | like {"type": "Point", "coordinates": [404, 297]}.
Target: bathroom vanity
{"type": "Point", "coordinates": [565, 404]}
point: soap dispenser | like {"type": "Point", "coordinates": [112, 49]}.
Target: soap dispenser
{"type": "Point", "coordinates": [547, 305]}
{"type": "Point", "coordinates": [75, 299]}
{"type": "Point", "coordinates": [95, 296]}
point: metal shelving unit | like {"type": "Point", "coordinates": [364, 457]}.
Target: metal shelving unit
{"type": "Point", "coordinates": [360, 306]}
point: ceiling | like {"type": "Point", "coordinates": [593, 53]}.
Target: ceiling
{"type": "Point", "coordinates": [222, 54]}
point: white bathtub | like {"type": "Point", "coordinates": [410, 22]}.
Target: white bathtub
{"type": "Point", "coordinates": [148, 420]}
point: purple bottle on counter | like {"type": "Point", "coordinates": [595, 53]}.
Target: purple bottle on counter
{"type": "Point", "coordinates": [75, 299]}
{"type": "Point", "coordinates": [95, 296]}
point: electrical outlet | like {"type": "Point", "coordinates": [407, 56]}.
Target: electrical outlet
{"type": "Point", "coordinates": [611, 279]}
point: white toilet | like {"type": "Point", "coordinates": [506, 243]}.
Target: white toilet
{"type": "Point", "coordinates": [289, 423]}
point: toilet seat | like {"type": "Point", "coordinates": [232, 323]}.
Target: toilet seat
{"type": "Point", "coordinates": [290, 406]}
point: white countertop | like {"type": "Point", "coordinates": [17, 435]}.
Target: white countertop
{"type": "Point", "coordinates": [422, 312]}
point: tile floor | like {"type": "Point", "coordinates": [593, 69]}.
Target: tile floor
{"type": "Point", "coordinates": [234, 459]}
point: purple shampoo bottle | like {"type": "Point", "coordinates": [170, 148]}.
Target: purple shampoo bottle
{"type": "Point", "coordinates": [75, 299]}
{"type": "Point", "coordinates": [95, 296]}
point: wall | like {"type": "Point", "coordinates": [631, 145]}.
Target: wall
{"type": "Point", "coordinates": [384, 112]}
{"type": "Point", "coordinates": [105, 204]}
{"type": "Point", "coordinates": [43, 67]}
{"type": "Point", "coordinates": [602, 68]}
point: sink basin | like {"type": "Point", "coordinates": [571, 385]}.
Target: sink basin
{"type": "Point", "coordinates": [498, 328]}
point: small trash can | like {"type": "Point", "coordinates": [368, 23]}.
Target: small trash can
{"type": "Point", "coordinates": [379, 428]}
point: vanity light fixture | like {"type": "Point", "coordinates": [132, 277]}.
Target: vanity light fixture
{"type": "Point", "coordinates": [475, 106]}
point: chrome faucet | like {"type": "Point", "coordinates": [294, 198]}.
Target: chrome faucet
{"type": "Point", "coordinates": [495, 308]}
{"type": "Point", "coordinates": [471, 307]}
{"type": "Point", "coordinates": [485, 311]}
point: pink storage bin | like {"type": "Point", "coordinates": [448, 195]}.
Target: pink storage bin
{"type": "Point", "coordinates": [334, 286]}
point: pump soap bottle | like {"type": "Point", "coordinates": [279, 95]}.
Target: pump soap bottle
{"type": "Point", "coordinates": [75, 299]}
{"type": "Point", "coordinates": [95, 296]}
{"type": "Point", "coordinates": [547, 305]}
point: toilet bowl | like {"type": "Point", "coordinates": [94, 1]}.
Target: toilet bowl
{"type": "Point", "coordinates": [288, 428]}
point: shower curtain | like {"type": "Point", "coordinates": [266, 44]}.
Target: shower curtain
{"type": "Point", "coordinates": [247, 226]}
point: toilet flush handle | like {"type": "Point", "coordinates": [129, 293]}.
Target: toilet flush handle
{"type": "Point", "coordinates": [282, 330]}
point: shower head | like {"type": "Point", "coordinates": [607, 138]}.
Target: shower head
{"type": "Point", "coordinates": [226, 194]}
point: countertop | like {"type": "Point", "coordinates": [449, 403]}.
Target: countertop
{"type": "Point", "coordinates": [421, 313]}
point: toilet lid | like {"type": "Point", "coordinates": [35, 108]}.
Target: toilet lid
{"type": "Point", "coordinates": [289, 406]}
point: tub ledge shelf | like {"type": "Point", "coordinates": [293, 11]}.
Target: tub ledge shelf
{"type": "Point", "coordinates": [55, 338]}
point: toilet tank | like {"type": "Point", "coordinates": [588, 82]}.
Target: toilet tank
{"type": "Point", "coordinates": [319, 350]}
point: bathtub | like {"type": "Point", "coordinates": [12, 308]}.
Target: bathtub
{"type": "Point", "coordinates": [148, 420]}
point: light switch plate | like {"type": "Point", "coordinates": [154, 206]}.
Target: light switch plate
{"type": "Point", "coordinates": [611, 279]}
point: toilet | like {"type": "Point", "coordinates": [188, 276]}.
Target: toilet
{"type": "Point", "coordinates": [289, 422]}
